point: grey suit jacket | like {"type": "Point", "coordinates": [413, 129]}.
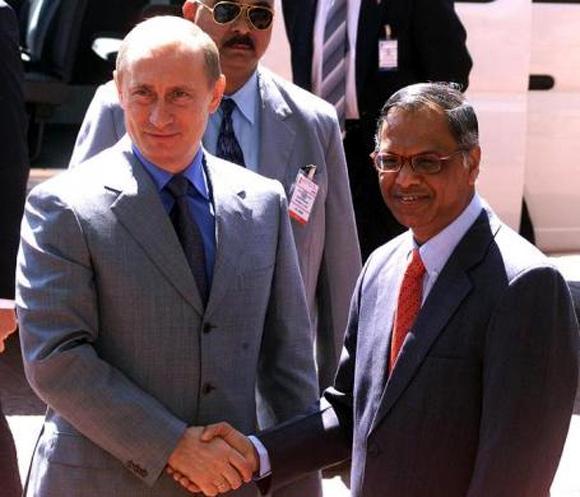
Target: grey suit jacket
{"type": "Point", "coordinates": [480, 400]}
{"type": "Point", "coordinates": [296, 129]}
{"type": "Point", "coordinates": [116, 341]}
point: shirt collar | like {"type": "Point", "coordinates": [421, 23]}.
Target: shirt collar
{"type": "Point", "coordinates": [194, 172]}
{"type": "Point", "coordinates": [246, 98]}
{"type": "Point", "coordinates": [436, 251]}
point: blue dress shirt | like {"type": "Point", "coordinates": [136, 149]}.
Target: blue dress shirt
{"type": "Point", "coordinates": [199, 200]}
{"type": "Point", "coordinates": [245, 119]}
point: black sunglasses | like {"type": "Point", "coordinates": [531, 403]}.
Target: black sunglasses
{"type": "Point", "coordinates": [260, 17]}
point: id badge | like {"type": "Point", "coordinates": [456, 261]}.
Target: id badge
{"type": "Point", "coordinates": [388, 55]}
{"type": "Point", "coordinates": [303, 196]}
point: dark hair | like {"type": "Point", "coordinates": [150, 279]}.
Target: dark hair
{"type": "Point", "coordinates": [443, 96]}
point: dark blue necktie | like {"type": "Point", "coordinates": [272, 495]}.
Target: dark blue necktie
{"type": "Point", "coordinates": [188, 232]}
{"type": "Point", "coordinates": [228, 147]}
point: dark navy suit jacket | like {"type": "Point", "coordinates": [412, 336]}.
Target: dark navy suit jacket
{"type": "Point", "coordinates": [480, 400]}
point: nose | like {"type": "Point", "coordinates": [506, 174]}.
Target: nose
{"type": "Point", "coordinates": [406, 176]}
{"type": "Point", "coordinates": [160, 115]}
{"type": "Point", "coordinates": [242, 23]}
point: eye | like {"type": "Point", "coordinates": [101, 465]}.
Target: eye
{"type": "Point", "coordinates": [427, 163]}
{"type": "Point", "coordinates": [388, 162]}
{"type": "Point", "coordinates": [179, 95]}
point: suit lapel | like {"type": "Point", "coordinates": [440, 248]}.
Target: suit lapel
{"type": "Point", "coordinates": [277, 133]}
{"type": "Point", "coordinates": [451, 288]}
{"type": "Point", "coordinates": [231, 216]}
{"type": "Point", "coordinates": [138, 207]}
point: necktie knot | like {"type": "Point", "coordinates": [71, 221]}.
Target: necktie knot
{"type": "Point", "coordinates": [416, 268]}
{"type": "Point", "coordinates": [178, 186]}
{"type": "Point", "coordinates": [227, 105]}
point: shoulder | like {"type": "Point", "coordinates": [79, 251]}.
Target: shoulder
{"type": "Point", "coordinates": [81, 185]}
{"type": "Point", "coordinates": [241, 179]}
{"type": "Point", "coordinates": [301, 102]}
{"type": "Point", "coordinates": [106, 94]}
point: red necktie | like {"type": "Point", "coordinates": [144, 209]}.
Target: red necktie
{"type": "Point", "coordinates": [408, 304]}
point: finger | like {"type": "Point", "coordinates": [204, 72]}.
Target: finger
{"type": "Point", "coordinates": [216, 430]}
{"type": "Point", "coordinates": [243, 467]}
{"type": "Point", "coordinates": [233, 478]}
{"type": "Point", "coordinates": [222, 486]}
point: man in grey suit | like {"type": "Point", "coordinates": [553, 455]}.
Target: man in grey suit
{"type": "Point", "coordinates": [135, 342]}
{"type": "Point", "coordinates": [459, 369]}
{"type": "Point", "coordinates": [281, 129]}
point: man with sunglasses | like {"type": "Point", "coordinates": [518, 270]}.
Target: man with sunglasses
{"type": "Point", "coordinates": [280, 131]}
{"type": "Point", "coordinates": [459, 369]}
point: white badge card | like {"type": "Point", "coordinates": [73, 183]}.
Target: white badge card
{"type": "Point", "coordinates": [388, 55]}
{"type": "Point", "coordinates": [303, 196]}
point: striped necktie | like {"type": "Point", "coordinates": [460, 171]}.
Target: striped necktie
{"type": "Point", "coordinates": [334, 52]}
{"type": "Point", "coordinates": [228, 147]}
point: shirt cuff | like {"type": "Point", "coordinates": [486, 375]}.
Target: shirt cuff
{"type": "Point", "coordinates": [7, 304]}
{"type": "Point", "coordinates": [265, 466]}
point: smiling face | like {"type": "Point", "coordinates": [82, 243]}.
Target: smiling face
{"type": "Point", "coordinates": [240, 45]}
{"type": "Point", "coordinates": [167, 98]}
{"type": "Point", "coordinates": [426, 203]}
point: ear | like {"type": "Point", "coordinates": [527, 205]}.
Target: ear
{"type": "Point", "coordinates": [119, 86]}
{"type": "Point", "coordinates": [189, 10]}
{"type": "Point", "coordinates": [473, 159]}
{"type": "Point", "coordinates": [218, 93]}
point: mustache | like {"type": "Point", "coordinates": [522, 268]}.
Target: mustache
{"type": "Point", "coordinates": [240, 40]}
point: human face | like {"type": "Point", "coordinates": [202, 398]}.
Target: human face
{"type": "Point", "coordinates": [426, 203]}
{"type": "Point", "coordinates": [167, 99]}
{"type": "Point", "coordinates": [240, 46]}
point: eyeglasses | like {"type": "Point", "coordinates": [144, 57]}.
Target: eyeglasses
{"type": "Point", "coordinates": [260, 17]}
{"type": "Point", "coordinates": [421, 163]}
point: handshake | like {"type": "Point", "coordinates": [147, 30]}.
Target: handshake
{"type": "Point", "coordinates": [213, 460]}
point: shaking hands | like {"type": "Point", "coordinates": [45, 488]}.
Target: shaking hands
{"type": "Point", "coordinates": [213, 460]}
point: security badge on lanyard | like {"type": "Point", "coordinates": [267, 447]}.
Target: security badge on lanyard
{"type": "Point", "coordinates": [388, 52]}
{"type": "Point", "coordinates": [303, 194]}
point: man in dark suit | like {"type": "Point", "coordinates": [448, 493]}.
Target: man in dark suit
{"type": "Point", "coordinates": [13, 175]}
{"type": "Point", "coordinates": [459, 369]}
{"type": "Point", "coordinates": [426, 41]}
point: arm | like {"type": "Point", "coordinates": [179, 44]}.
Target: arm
{"type": "Point", "coordinates": [341, 261]}
{"type": "Point", "coordinates": [58, 306]}
{"type": "Point", "coordinates": [440, 39]}
{"type": "Point", "coordinates": [287, 383]}
{"type": "Point", "coordinates": [286, 371]}
{"type": "Point", "coordinates": [102, 125]}
{"type": "Point", "coordinates": [529, 382]}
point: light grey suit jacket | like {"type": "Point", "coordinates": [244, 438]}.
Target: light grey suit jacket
{"type": "Point", "coordinates": [297, 129]}
{"type": "Point", "coordinates": [480, 399]}
{"type": "Point", "coordinates": [116, 341]}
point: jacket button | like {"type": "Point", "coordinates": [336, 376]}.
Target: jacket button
{"type": "Point", "coordinates": [207, 388]}
{"type": "Point", "coordinates": [207, 328]}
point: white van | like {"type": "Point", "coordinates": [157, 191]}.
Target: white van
{"type": "Point", "coordinates": [526, 87]}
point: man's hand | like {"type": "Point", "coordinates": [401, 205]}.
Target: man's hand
{"type": "Point", "coordinates": [7, 325]}
{"type": "Point", "coordinates": [234, 438]}
{"type": "Point", "coordinates": [210, 467]}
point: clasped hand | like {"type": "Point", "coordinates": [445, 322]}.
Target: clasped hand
{"type": "Point", "coordinates": [213, 460]}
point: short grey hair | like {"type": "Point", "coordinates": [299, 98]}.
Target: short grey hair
{"type": "Point", "coordinates": [442, 96]}
{"type": "Point", "coordinates": [166, 30]}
